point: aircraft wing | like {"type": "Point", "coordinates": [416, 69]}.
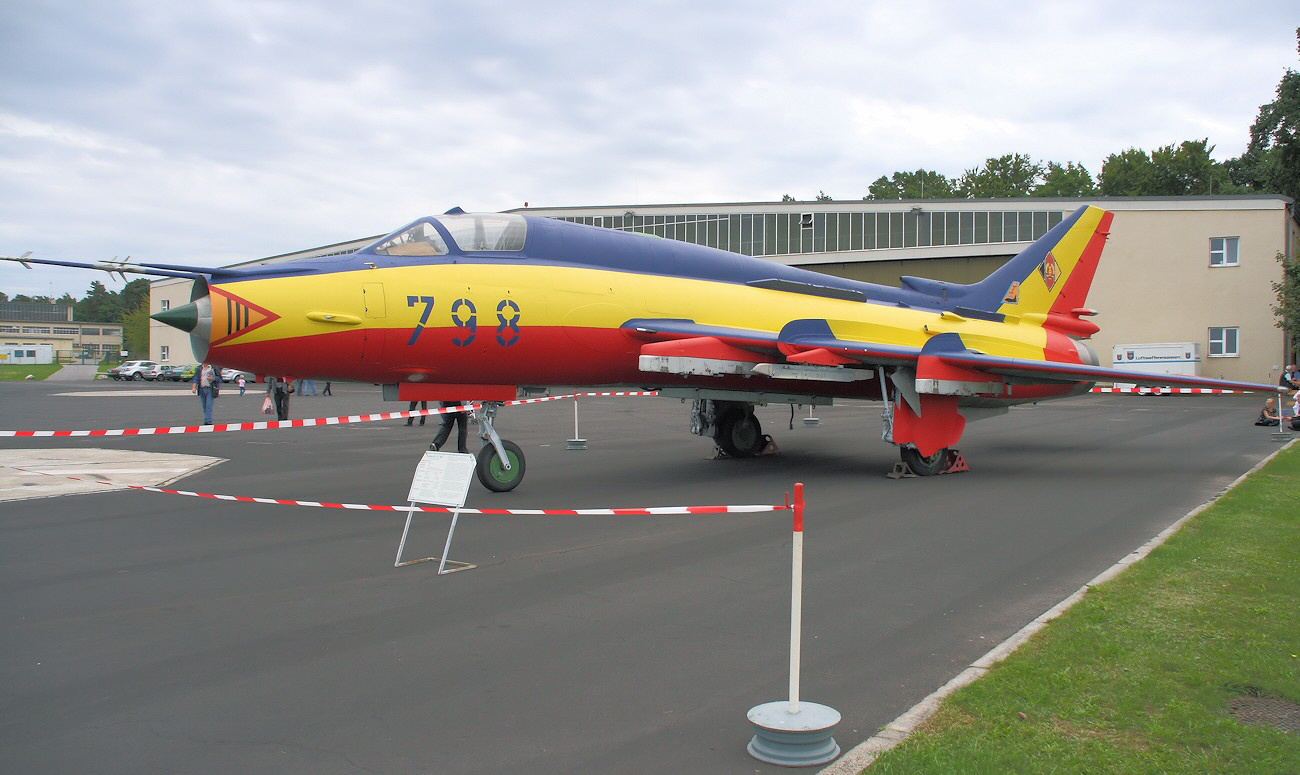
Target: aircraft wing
{"type": "Point", "coordinates": [151, 269]}
{"type": "Point", "coordinates": [813, 342]}
{"type": "Point", "coordinates": [1078, 372]}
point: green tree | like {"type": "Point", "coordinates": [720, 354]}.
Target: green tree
{"type": "Point", "coordinates": [921, 184]}
{"type": "Point", "coordinates": [133, 293]}
{"type": "Point", "coordinates": [135, 328]}
{"type": "Point", "coordinates": [100, 305]}
{"type": "Point", "coordinates": [1012, 175]}
{"type": "Point", "coordinates": [1129, 173]}
{"type": "Point", "coordinates": [1271, 163]}
{"type": "Point", "coordinates": [788, 198]}
{"type": "Point", "coordinates": [822, 196]}
{"type": "Point", "coordinates": [1071, 180]}
{"type": "Point", "coordinates": [1287, 309]}
{"type": "Point", "coordinates": [1182, 170]}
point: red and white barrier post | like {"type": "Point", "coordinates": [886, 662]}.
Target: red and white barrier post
{"type": "Point", "coordinates": [788, 733]}
{"type": "Point", "coordinates": [796, 597]}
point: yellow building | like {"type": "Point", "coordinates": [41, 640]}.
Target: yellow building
{"type": "Point", "coordinates": [34, 323]}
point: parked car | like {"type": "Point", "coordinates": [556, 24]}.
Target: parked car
{"type": "Point", "coordinates": [169, 373]}
{"type": "Point", "coordinates": [231, 375]}
{"type": "Point", "coordinates": [155, 374]}
{"type": "Point", "coordinates": [132, 370]}
{"type": "Point", "coordinates": [187, 372]}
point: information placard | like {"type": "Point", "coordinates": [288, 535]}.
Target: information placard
{"type": "Point", "coordinates": [442, 478]}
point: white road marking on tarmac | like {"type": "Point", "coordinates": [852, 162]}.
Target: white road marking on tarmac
{"type": "Point", "coordinates": [149, 469]}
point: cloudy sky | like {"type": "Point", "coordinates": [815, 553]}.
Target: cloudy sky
{"type": "Point", "coordinates": [215, 131]}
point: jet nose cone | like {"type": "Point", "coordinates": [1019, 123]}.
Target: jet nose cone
{"type": "Point", "coordinates": [185, 317]}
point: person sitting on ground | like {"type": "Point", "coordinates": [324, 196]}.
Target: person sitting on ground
{"type": "Point", "coordinates": [1290, 378]}
{"type": "Point", "coordinates": [1268, 415]}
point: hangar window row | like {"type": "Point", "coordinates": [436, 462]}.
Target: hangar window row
{"type": "Point", "coordinates": [779, 234]}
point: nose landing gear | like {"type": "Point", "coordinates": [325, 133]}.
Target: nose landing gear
{"type": "Point", "coordinates": [500, 463]}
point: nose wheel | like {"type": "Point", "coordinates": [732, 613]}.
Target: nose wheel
{"type": "Point", "coordinates": [499, 465]}
{"type": "Point", "coordinates": [500, 473]}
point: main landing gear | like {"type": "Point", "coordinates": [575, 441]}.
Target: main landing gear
{"type": "Point", "coordinates": [945, 461]}
{"type": "Point", "coordinates": [731, 424]}
{"type": "Point", "coordinates": [739, 433]}
{"type": "Point", "coordinates": [924, 465]}
{"type": "Point", "coordinates": [500, 463]}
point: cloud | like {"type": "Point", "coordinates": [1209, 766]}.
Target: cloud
{"type": "Point", "coordinates": [216, 131]}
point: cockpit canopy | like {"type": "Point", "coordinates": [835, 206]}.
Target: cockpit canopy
{"type": "Point", "coordinates": [471, 232]}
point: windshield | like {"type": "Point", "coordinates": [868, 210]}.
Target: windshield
{"type": "Point", "coordinates": [486, 231]}
{"type": "Point", "coordinates": [420, 239]}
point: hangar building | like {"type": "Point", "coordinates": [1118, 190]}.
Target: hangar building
{"type": "Point", "coordinates": [1176, 269]}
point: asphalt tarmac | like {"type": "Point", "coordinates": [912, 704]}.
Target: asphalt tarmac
{"type": "Point", "coordinates": [147, 632]}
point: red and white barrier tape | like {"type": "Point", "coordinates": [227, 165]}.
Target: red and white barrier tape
{"type": "Point", "coordinates": [307, 423]}
{"type": "Point", "coordinates": [652, 510]}
{"type": "Point", "coordinates": [1163, 390]}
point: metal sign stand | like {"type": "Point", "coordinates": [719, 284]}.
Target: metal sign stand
{"type": "Point", "coordinates": [441, 479]}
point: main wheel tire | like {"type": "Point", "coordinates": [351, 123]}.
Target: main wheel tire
{"type": "Point", "coordinates": [740, 435]}
{"type": "Point", "coordinates": [922, 465]}
{"type": "Point", "coordinates": [493, 475]}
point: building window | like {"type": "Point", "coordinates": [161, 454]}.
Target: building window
{"type": "Point", "coordinates": [1223, 251]}
{"type": "Point", "coordinates": [164, 353]}
{"type": "Point", "coordinates": [166, 304]}
{"type": "Point", "coordinates": [1223, 342]}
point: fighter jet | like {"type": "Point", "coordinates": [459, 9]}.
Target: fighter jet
{"type": "Point", "coordinates": [477, 306]}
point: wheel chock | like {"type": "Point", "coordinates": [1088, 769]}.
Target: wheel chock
{"type": "Point", "coordinates": [901, 471]}
{"type": "Point", "coordinates": [956, 463]}
{"type": "Point", "coordinates": [769, 446]}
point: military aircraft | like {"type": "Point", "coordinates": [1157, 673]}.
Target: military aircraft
{"type": "Point", "coordinates": [476, 306]}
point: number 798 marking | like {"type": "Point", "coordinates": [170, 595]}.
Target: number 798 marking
{"type": "Point", "coordinates": [412, 301]}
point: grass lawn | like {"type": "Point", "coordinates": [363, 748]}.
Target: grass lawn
{"type": "Point", "coordinates": [1154, 670]}
{"type": "Point", "coordinates": [15, 371]}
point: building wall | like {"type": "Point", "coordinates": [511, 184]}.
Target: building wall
{"type": "Point", "coordinates": [1155, 284]}
{"type": "Point", "coordinates": [23, 324]}
{"type": "Point", "coordinates": [166, 344]}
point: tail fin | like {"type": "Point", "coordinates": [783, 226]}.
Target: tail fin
{"type": "Point", "coordinates": [1052, 276]}
{"type": "Point", "coordinates": [1048, 281]}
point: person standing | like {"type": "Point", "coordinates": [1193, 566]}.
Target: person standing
{"type": "Point", "coordinates": [411, 408]}
{"type": "Point", "coordinates": [206, 384]}
{"type": "Point", "coordinates": [241, 383]}
{"type": "Point", "coordinates": [326, 391]}
{"type": "Point", "coordinates": [279, 388]}
{"type": "Point", "coordinates": [448, 419]}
